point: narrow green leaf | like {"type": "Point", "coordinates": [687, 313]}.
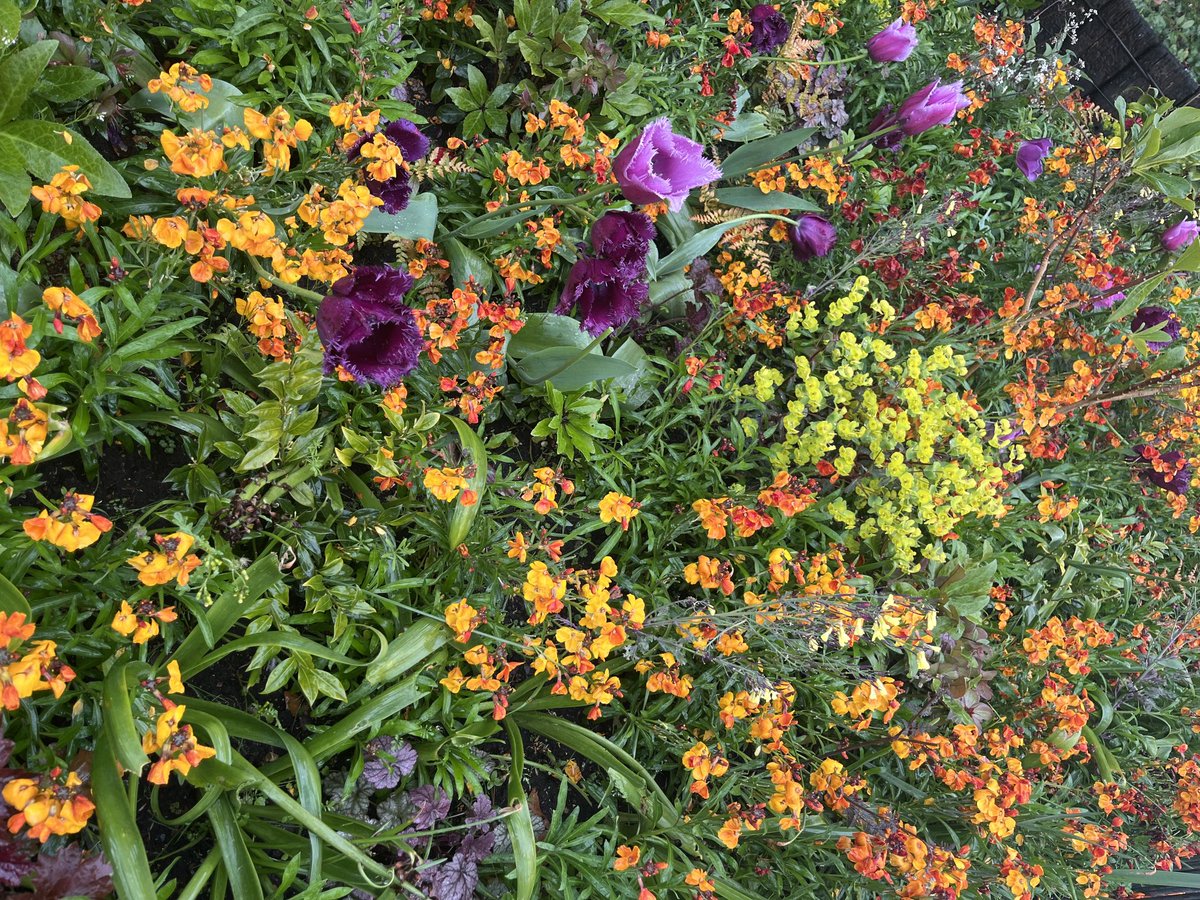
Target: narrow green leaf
{"type": "Point", "coordinates": [755, 200]}
{"type": "Point", "coordinates": [11, 599]}
{"type": "Point", "coordinates": [756, 153]}
{"type": "Point", "coordinates": [260, 577]}
{"type": "Point", "coordinates": [418, 642]}
{"type": "Point", "coordinates": [520, 823]}
{"type": "Point", "coordinates": [243, 876]}
{"type": "Point", "coordinates": [116, 704]}
{"type": "Point", "coordinates": [119, 835]}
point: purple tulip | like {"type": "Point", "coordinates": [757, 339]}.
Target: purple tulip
{"type": "Point", "coordinates": [408, 137]}
{"type": "Point", "coordinates": [1151, 318]}
{"type": "Point", "coordinates": [934, 104]}
{"type": "Point", "coordinates": [1180, 235]}
{"type": "Point", "coordinates": [811, 236]}
{"type": "Point", "coordinates": [603, 292]}
{"type": "Point", "coordinates": [366, 327]}
{"type": "Point", "coordinates": [1108, 301]}
{"type": "Point", "coordinates": [886, 118]}
{"type": "Point", "coordinates": [894, 44]}
{"type": "Point", "coordinates": [771, 29]}
{"type": "Point", "coordinates": [623, 236]}
{"type": "Point", "coordinates": [661, 165]}
{"type": "Point", "coordinates": [1030, 156]}
{"type": "Point", "coordinates": [1176, 476]}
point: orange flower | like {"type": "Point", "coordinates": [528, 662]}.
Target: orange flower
{"type": "Point", "coordinates": [72, 526]}
{"type": "Point", "coordinates": [16, 360]}
{"type": "Point", "coordinates": [463, 619]}
{"type": "Point", "coordinates": [170, 561]}
{"type": "Point", "coordinates": [615, 507]}
{"type": "Point", "coordinates": [49, 805]}
{"type": "Point", "coordinates": [141, 622]}
{"type": "Point", "coordinates": [198, 153]}
{"type": "Point", "coordinates": [176, 745]}
{"type": "Point", "coordinates": [712, 574]}
{"type": "Point", "coordinates": [63, 196]}
{"type": "Point", "coordinates": [627, 857]}
{"type": "Point", "coordinates": [64, 301]}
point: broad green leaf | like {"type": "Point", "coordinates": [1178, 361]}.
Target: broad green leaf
{"type": "Point", "coordinates": [638, 385]}
{"type": "Point", "coordinates": [46, 150]}
{"type": "Point", "coordinates": [755, 200]}
{"type": "Point", "coordinates": [756, 153]}
{"type": "Point", "coordinates": [748, 126]}
{"type": "Point", "coordinates": [570, 369]}
{"type": "Point", "coordinates": [62, 84]}
{"type": "Point", "coordinates": [542, 331]}
{"type": "Point", "coordinates": [11, 599]}
{"type": "Point", "coordinates": [10, 22]}
{"type": "Point", "coordinates": [624, 13]}
{"type": "Point", "coordinates": [117, 706]}
{"type": "Point", "coordinates": [417, 220]}
{"type": "Point", "coordinates": [466, 264]}
{"type": "Point", "coordinates": [418, 642]}
{"type": "Point", "coordinates": [474, 454]}
{"type": "Point", "coordinates": [15, 183]}
{"type": "Point", "coordinates": [697, 245]}
{"type": "Point", "coordinates": [482, 227]}
{"type": "Point", "coordinates": [19, 73]}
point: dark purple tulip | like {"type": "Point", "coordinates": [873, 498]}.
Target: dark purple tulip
{"type": "Point", "coordinates": [1149, 318]}
{"type": "Point", "coordinates": [368, 329]}
{"type": "Point", "coordinates": [1180, 235]}
{"type": "Point", "coordinates": [407, 136]}
{"type": "Point", "coordinates": [894, 44]}
{"type": "Point", "coordinates": [1178, 475]}
{"type": "Point", "coordinates": [886, 118]}
{"type": "Point", "coordinates": [811, 236]}
{"type": "Point", "coordinates": [623, 236]}
{"type": "Point", "coordinates": [603, 292]}
{"type": "Point", "coordinates": [1031, 155]}
{"type": "Point", "coordinates": [661, 165]}
{"type": "Point", "coordinates": [771, 29]}
{"type": "Point", "coordinates": [395, 192]}
{"type": "Point", "coordinates": [935, 104]}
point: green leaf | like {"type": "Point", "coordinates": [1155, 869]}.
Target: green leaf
{"type": "Point", "coordinates": [697, 245]}
{"type": "Point", "coordinates": [542, 331]}
{"type": "Point", "coordinates": [243, 875]}
{"type": "Point", "coordinates": [625, 13]}
{"type": "Point", "coordinates": [260, 577]}
{"type": "Point", "coordinates": [19, 73]}
{"type": "Point", "coordinates": [467, 264]}
{"type": "Point", "coordinates": [570, 368]}
{"type": "Point", "coordinates": [45, 151]}
{"type": "Point", "coordinates": [474, 454]}
{"type": "Point", "coordinates": [63, 84]}
{"type": "Point", "coordinates": [10, 22]}
{"type": "Point", "coordinates": [417, 220]}
{"type": "Point", "coordinates": [520, 823]}
{"type": "Point", "coordinates": [119, 834]}
{"type": "Point", "coordinates": [637, 386]}
{"type": "Point", "coordinates": [116, 704]}
{"type": "Point", "coordinates": [11, 599]}
{"type": "Point", "coordinates": [756, 153]}
{"type": "Point", "coordinates": [482, 227]}
{"type": "Point", "coordinates": [477, 85]}
{"type": "Point", "coordinates": [418, 642]}
{"type": "Point", "coordinates": [461, 97]}
{"type": "Point", "coordinates": [15, 183]}
{"type": "Point", "coordinates": [753, 199]}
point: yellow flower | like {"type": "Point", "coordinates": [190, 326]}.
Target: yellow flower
{"type": "Point", "coordinates": [65, 302]}
{"type": "Point", "coordinates": [462, 619]}
{"type": "Point", "coordinates": [72, 526]}
{"type": "Point", "coordinates": [141, 622]}
{"type": "Point", "coordinates": [615, 507]}
{"type": "Point", "coordinates": [171, 560]}
{"type": "Point", "coordinates": [198, 153]}
{"type": "Point", "coordinates": [49, 805]}
{"type": "Point", "coordinates": [63, 196]}
{"type": "Point", "coordinates": [176, 745]}
{"type": "Point", "coordinates": [174, 679]}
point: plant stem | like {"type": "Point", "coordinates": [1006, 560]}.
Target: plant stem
{"type": "Point", "coordinates": [283, 285]}
{"type": "Point", "coordinates": [525, 205]}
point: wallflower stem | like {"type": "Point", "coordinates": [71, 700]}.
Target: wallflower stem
{"type": "Point", "coordinates": [283, 285]}
{"type": "Point", "coordinates": [534, 203]}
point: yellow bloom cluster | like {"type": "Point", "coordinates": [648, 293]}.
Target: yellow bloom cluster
{"type": "Point", "coordinates": [921, 455]}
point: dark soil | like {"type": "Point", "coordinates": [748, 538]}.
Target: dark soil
{"type": "Point", "coordinates": [125, 481]}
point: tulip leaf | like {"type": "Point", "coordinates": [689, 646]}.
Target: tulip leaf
{"type": "Point", "coordinates": [415, 221]}
{"type": "Point", "coordinates": [474, 454]}
{"type": "Point", "coordinates": [466, 264]}
{"type": "Point", "coordinates": [756, 153]}
{"type": "Point", "coordinates": [570, 367]}
{"type": "Point", "coordinates": [755, 200]}
{"type": "Point", "coordinates": [542, 331]}
{"type": "Point", "coordinates": [11, 599]}
{"type": "Point", "coordinates": [699, 244]}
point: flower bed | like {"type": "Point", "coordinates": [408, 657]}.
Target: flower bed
{"type": "Point", "coordinates": [591, 449]}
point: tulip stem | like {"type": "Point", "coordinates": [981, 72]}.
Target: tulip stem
{"type": "Point", "coordinates": [283, 285]}
{"type": "Point", "coordinates": [523, 205]}
{"type": "Point", "coordinates": [814, 62]}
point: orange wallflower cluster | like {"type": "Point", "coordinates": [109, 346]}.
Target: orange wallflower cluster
{"type": "Point", "coordinates": [787, 494]}
{"type": "Point", "coordinates": [266, 319]}
{"type": "Point", "coordinates": [28, 670]}
{"type": "Point", "coordinates": [140, 622]}
{"type": "Point", "coordinates": [868, 697]}
{"type": "Point", "coordinates": [184, 86]}
{"type": "Point", "coordinates": [703, 764]}
{"type": "Point", "coordinates": [711, 574]}
{"type": "Point", "coordinates": [170, 561]}
{"type": "Point", "coordinates": [616, 507]}
{"type": "Point", "coordinates": [895, 854]}
{"type": "Point", "coordinates": [463, 618]}
{"type": "Point", "coordinates": [56, 803]}
{"type": "Point", "coordinates": [1068, 642]}
{"type": "Point", "coordinates": [23, 434]}
{"type": "Point", "coordinates": [72, 526]}
{"type": "Point", "coordinates": [63, 196]}
{"type": "Point", "coordinates": [449, 483]}
{"type": "Point", "coordinates": [175, 744]}
{"type": "Point", "coordinates": [471, 397]}
{"type": "Point", "coordinates": [65, 302]}
{"type": "Point", "coordinates": [494, 670]}
{"type": "Point", "coordinates": [546, 484]}
{"type": "Point", "coordinates": [16, 358]}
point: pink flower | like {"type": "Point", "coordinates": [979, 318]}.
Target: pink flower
{"type": "Point", "coordinates": [935, 104]}
{"type": "Point", "coordinates": [894, 44]}
{"type": "Point", "coordinates": [661, 165]}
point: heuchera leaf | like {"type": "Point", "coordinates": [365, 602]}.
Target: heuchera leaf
{"type": "Point", "coordinates": [72, 873]}
{"type": "Point", "coordinates": [455, 879]}
{"type": "Point", "coordinates": [15, 862]}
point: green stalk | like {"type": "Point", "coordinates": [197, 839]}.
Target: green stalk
{"type": "Point", "coordinates": [282, 285]}
{"type": "Point", "coordinates": [525, 205]}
